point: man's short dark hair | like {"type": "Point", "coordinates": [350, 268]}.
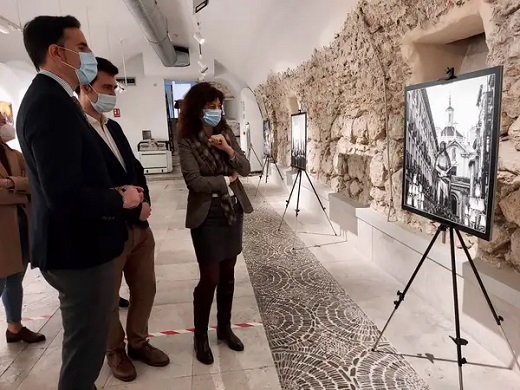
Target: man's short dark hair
{"type": "Point", "coordinates": [43, 31]}
{"type": "Point", "coordinates": [103, 65]}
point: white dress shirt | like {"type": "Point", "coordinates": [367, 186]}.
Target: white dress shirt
{"type": "Point", "coordinates": [59, 80]}
{"type": "Point", "coordinates": [104, 133]}
{"type": "Point", "coordinates": [228, 182]}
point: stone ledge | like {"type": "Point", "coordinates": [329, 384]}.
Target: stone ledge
{"type": "Point", "coordinates": [343, 212]}
{"type": "Point", "coordinates": [503, 283]}
{"type": "Point", "coordinates": [397, 250]}
{"type": "Point", "coordinates": [418, 242]}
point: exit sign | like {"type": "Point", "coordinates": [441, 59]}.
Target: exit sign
{"type": "Point", "coordinates": [117, 113]}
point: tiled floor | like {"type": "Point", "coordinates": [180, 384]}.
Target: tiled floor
{"type": "Point", "coordinates": [416, 329]}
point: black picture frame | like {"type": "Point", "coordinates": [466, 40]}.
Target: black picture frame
{"type": "Point", "coordinates": [267, 138]}
{"type": "Point", "coordinates": [299, 140]}
{"type": "Point", "coordinates": [458, 193]}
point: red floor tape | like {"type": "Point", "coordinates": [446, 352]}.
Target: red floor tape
{"type": "Point", "coordinates": [190, 330]}
{"type": "Point", "coordinates": [164, 332]}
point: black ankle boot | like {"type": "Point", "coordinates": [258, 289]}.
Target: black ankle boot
{"type": "Point", "coordinates": [225, 293]}
{"type": "Point", "coordinates": [226, 334]}
{"type": "Point", "coordinates": [202, 349]}
{"type": "Point", "coordinates": [201, 310]}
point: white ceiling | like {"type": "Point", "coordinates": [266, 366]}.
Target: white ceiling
{"type": "Point", "coordinates": [248, 38]}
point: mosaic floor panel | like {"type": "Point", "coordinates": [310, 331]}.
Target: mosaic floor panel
{"type": "Point", "coordinates": [319, 337]}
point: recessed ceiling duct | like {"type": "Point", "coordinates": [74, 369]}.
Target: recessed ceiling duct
{"type": "Point", "coordinates": [155, 29]}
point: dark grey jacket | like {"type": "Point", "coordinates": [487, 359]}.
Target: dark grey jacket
{"type": "Point", "coordinates": [202, 184]}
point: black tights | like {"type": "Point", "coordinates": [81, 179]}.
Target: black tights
{"type": "Point", "coordinates": [216, 274]}
{"type": "Point", "coordinates": [219, 276]}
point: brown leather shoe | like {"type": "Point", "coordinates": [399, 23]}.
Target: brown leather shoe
{"type": "Point", "coordinates": [24, 334]}
{"type": "Point", "coordinates": [121, 366]}
{"type": "Point", "coordinates": [150, 355]}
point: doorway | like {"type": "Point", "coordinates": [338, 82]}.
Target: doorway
{"type": "Point", "coordinates": [173, 91]}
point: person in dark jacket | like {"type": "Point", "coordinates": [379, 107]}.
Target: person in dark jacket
{"type": "Point", "coordinates": [78, 219]}
{"type": "Point", "coordinates": [211, 161]}
{"type": "Point", "coordinates": [137, 260]}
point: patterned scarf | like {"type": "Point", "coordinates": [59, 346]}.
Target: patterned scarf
{"type": "Point", "coordinates": [219, 165]}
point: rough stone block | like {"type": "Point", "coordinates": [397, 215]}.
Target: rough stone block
{"type": "Point", "coordinates": [499, 240]}
{"type": "Point", "coordinates": [514, 255]}
{"type": "Point", "coordinates": [510, 206]}
{"type": "Point", "coordinates": [514, 133]}
{"type": "Point", "coordinates": [508, 158]}
{"type": "Point", "coordinates": [359, 129]}
{"type": "Point", "coordinates": [378, 172]}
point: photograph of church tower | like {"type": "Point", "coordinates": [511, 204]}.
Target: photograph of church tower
{"type": "Point", "coordinates": [450, 154]}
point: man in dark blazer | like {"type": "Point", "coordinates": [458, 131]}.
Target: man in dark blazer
{"type": "Point", "coordinates": [137, 260]}
{"type": "Point", "coordinates": [78, 225]}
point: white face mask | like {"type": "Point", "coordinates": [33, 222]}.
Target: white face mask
{"type": "Point", "coordinates": [104, 103]}
{"type": "Point", "coordinates": [7, 133]}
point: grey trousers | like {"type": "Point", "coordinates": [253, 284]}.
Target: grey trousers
{"type": "Point", "coordinates": [85, 304]}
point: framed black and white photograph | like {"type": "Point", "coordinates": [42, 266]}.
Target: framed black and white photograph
{"type": "Point", "coordinates": [299, 140]}
{"type": "Point", "coordinates": [452, 132]}
{"type": "Point", "coordinates": [267, 138]}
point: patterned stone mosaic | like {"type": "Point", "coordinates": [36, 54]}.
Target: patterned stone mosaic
{"type": "Point", "coordinates": [319, 337]}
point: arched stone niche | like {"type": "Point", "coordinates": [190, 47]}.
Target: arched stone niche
{"type": "Point", "coordinates": [458, 40]}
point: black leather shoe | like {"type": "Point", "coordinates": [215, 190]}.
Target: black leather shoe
{"type": "Point", "coordinates": [202, 349]}
{"type": "Point", "coordinates": [226, 334]}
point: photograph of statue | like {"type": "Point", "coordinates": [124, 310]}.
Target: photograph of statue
{"type": "Point", "coordinates": [451, 149]}
{"type": "Point", "coordinates": [267, 138]}
{"type": "Point", "coordinates": [299, 140]}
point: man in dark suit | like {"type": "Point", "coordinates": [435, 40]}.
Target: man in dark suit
{"type": "Point", "coordinates": [137, 260]}
{"type": "Point", "coordinates": [78, 225]}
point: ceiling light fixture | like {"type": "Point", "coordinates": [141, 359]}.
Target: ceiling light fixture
{"type": "Point", "coordinates": [199, 38]}
{"type": "Point", "coordinates": [203, 67]}
{"type": "Point", "coordinates": [6, 26]}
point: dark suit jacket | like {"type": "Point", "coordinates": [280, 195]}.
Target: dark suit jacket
{"type": "Point", "coordinates": [77, 219]}
{"type": "Point", "coordinates": [134, 173]}
{"type": "Point", "coordinates": [202, 184]}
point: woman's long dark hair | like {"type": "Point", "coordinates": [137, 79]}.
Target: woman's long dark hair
{"type": "Point", "coordinates": [190, 117]}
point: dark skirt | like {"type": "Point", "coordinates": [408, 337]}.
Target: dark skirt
{"type": "Point", "coordinates": [215, 240]}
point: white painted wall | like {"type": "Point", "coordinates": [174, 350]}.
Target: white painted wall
{"type": "Point", "coordinates": [15, 78]}
{"type": "Point", "coordinates": [142, 107]}
{"type": "Point", "coordinates": [251, 113]}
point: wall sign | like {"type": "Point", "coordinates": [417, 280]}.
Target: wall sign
{"type": "Point", "coordinates": [117, 113]}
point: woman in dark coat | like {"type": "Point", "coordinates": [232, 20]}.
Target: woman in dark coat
{"type": "Point", "coordinates": [211, 161]}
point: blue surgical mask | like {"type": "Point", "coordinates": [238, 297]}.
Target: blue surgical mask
{"type": "Point", "coordinates": [88, 66]}
{"type": "Point", "coordinates": [212, 117]}
{"type": "Point", "coordinates": [105, 103]}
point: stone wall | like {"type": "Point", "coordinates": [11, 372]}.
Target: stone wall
{"type": "Point", "coordinates": [343, 89]}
